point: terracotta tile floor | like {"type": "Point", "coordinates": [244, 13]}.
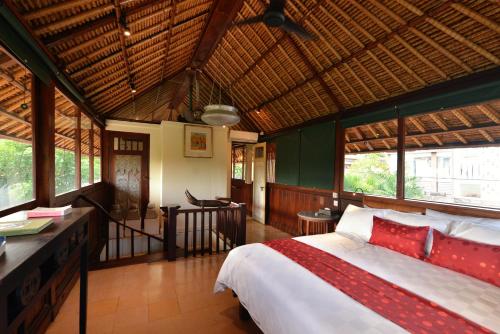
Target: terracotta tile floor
{"type": "Point", "coordinates": [160, 297]}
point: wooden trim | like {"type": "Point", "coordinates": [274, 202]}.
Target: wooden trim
{"type": "Point", "coordinates": [305, 190]}
{"type": "Point", "coordinates": [91, 153]}
{"type": "Point", "coordinates": [78, 150]}
{"type": "Point", "coordinates": [338, 175]}
{"type": "Point", "coordinates": [400, 180]}
{"type": "Point", "coordinates": [420, 206]}
{"type": "Point", "coordinates": [24, 206]}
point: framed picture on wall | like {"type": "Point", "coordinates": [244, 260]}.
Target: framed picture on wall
{"type": "Point", "coordinates": [198, 142]}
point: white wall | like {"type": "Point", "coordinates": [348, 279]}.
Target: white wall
{"type": "Point", "coordinates": [205, 178]}
{"type": "Point", "coordinates": [155, 153]}
{"type": "Point", "coordinates": [171, 173]}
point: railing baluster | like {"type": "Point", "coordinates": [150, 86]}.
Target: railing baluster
{"type": "Point", "coordinates": [225, 229]}
{"type": "Point", "coordinates": [107, 241]}
{"type": "Point", "coordinates": [217, 230]}
{"type": "Point", "coordinates": [149, 245]}
{"type": "Point", "coordinates": [194, 233]}
{"type": "Point", "coordinates": [186, 234]}
{"type": "Point", "coordinates": [202, 229]}
{"type": "Point", "coordinates": [132, 243]}
{"type": "Point", "coordinates": [117, 242]}
{"type": "Point", "coordinates": [233, 227]}
{"type": "Point", "coordinates": [210, 232]}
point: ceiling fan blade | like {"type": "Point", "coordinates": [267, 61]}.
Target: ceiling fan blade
{"type": "Point", "coordinates": [277, 5]}
{"type": "Point", "coordinates": [252, 20]}
{"type": "Point", "coordinates": [293, 27]}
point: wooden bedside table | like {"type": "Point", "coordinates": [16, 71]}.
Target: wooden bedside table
{"type": "Point", "coordinates": [315, 223]}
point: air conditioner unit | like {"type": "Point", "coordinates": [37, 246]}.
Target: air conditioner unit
{"type": "Point", "coordinates": [244, 136]}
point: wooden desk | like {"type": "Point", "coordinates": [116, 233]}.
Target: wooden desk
{"type": "Point", "coordinates": [315, 223]}
{"type": "Point", "coordinates": [36, 272]}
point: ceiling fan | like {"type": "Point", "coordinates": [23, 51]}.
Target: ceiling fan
{"type": "Point", "coordinates": [275, 17]}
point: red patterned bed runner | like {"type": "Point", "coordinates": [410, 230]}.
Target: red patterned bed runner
{"type": "Point", "coordinates": [404, 308]}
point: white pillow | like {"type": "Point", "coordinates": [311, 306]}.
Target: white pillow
{"type": "Point", "coordinates": [457, 218]}
{"type": "Point", "coordinates": [476, 232]}
{"type": "Point", "coordinates": [412, 219]}
{"type": "Point", "coordinates": [358, 221]}
{"type": "Point", "coordinates": [440, 224]}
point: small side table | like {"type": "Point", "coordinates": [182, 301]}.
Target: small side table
{"type": "Point", "coordinates": [315, 223]}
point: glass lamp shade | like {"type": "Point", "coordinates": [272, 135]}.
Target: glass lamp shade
{"type": "Point", "coordinates": [220, 114]}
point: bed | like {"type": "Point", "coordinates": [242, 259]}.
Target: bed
{"type": "Point", "coordinates": [281, 296]}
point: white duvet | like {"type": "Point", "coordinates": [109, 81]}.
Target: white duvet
{"type": "Point", "coordinates": [283, 297]}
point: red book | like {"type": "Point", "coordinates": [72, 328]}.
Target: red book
{"type": "Point", "coordinates": [49, 212]}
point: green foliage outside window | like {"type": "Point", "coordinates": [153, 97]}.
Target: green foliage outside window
{"type": "Point", "coordinates": [238, 170]}
{"type": "Point", "coordinates": [65, 170]}
{"type": "Point", "coordinates": [16, 173]}
{"type": "Point", "coordinates": [97, 169]}
{"type": "Point", "coordinates": [371, 175]}
{"type": "Point", "coordinates": [85, 170]}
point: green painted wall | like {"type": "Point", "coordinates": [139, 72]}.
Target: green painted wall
{"type": "Point", "coordinates": [305, 157]}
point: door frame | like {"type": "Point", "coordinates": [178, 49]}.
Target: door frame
{"type": "Point", "coordinates": [111, 152]}
{"type": "Point", "coordinates": [255, 185]}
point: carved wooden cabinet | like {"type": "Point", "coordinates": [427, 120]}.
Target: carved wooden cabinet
{"type": "Point", "coordinates": [38, 271]}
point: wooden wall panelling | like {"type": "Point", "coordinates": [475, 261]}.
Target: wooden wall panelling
{"type": "Point", "coordinates": [242, 192]}
{"type": "Point", "coordinates": [286, 201]}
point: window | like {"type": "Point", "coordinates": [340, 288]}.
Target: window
{"type": "Point", "coordinates": [65, 139]}
{"type": "Point", "coordinates": [97, 154]}
{"type": "Point", "coordinates": [451, 157]}
{"type": "Point", "coordinates": [86, 133]}
{"type": "Point", "coordinates": [16, 152]}
{"type": "Point", "coordinates": [370, 164]}
{"type": "Point", "coordinates": [238, 162]}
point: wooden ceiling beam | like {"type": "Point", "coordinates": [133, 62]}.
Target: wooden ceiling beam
{"type": "Point", "coordinates": [376, 44]}
{"type": "Point", "coordinates": [93, 25]}
{"type": "Point", "coordinates": [489, 112]}
{"type": "Point", "coordinates": [277, 42]}
{"type": "Point", "coordinates": [433, 134]}
{"type": "Point", "coordinates": [119, 17]}
{"type": "Point", "coordinates": [462, 117]}
{"type": "Point", "coordinates": [453, 34]}
{"type": "Point", "coordinates": [311, 68]}
{"type": "Point", "coordinates": [486, 135]}
{"type": "Point", "coordinates": [222, 15]}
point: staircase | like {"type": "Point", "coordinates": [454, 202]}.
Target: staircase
{"type": "Point", "coordinates": [185, 232]}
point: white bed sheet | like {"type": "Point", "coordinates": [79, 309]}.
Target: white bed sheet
{"type": "Point", "coordinates": [283, 297]}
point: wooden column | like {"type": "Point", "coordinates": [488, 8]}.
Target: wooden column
{"type": "Point", "coordinates": [106, 147]}
{"type": "Point", "coordinates": [78, 151]}
{"type": "Point", "coordinates": [400, 182]}
{"type": "Point", "coordinates": [91, 153]}
{"type": "Point", "coordinates": [338, 176]}
{"type": "Point", "coordinates": [43, 111]}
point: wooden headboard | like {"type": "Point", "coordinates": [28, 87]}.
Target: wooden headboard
{"type": "Point", "coordinates": [418, 206]}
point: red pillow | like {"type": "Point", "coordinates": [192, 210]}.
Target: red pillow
{"type": "Point", "coordinates": [405, 239]}
{"type": "Point", "coordinates": [472, 258]}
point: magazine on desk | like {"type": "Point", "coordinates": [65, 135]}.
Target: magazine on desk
{"type": "Point", "coordinates": [19, 224]}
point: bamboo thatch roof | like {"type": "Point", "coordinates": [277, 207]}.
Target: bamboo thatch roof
{"type": "Point", "coordinates": [15, 122]}
{"type": "Point", "coordinates": [367, 51]}
{"type": "Point", "coordinates": [469, 126]}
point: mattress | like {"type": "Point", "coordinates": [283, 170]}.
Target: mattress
{"type": "Point", "coordinates": [283, 297]}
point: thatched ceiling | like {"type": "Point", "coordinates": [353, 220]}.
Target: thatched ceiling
{"type": "Point", "coordinates": [469, 126]}
{"type": "Point", "coordinates": [367, 51]}
{"type": "Point", "coordinates": [15, 122]}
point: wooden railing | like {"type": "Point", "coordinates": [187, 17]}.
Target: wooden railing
{"type": "Point", "coordinates": [220, 229]}
{"type": "Point", "coordinates": [132, 231]}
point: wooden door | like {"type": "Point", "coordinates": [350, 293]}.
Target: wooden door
{"type": "Point", "coordinates": [259, 183]}
{"type": "Point", "coordinates": [129, 171]}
